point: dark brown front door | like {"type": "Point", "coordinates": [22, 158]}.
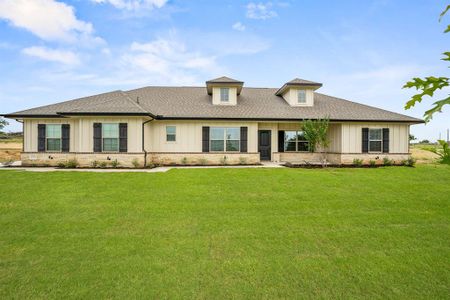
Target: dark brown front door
{"type": "Point", "coordinates": [264, 142]}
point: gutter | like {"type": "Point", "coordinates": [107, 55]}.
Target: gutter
{"type": "Point", "coordinates": [417, 121]}
{"type": "Point", "coordinates": [143, 141]}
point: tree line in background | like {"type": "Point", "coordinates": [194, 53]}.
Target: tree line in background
{"type": "Point", "coordinates": [3, 123]}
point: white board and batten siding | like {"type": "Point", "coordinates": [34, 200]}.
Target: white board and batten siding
{"type": "Point", "coordinates": [82, 133]}
{"type": "Point", "coordinates": [352, 136]}
{"type": "Point", "coordinates": [344, 137]}
{"type": "Point", "coordinates": [189, 135]}
{"type": "Point", "coordinates": [30, 132]}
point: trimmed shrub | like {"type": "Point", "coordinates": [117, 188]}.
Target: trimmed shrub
{"type": "Point", "coordinates": [115, 163]}
{"type": "Point", "coordinates": [203, 161]}
{"type": "Point", "coordinates": [135, 163]}
{"type": "Point", "coordinates": [61, 165]}
{"type": "Point", "coordinates": [387, 161]}
{"type": "Point", "coordinates": [184, 161]}
{"type": "Point", "coordinates": [357, 162]}
{"type": "Point", "coordinates": [103, 164]}
{"type": "Point", "coordinates": [372, 163]}
{"type": "Point", "coordinates": [94, 164]}
{"type": "Point", "coordinates": [72, 164]}
{"type": "Point", "coordinates": [410, 162]}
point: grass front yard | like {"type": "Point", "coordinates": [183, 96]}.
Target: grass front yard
{"type": "Point", "coordinates": [226, 233]}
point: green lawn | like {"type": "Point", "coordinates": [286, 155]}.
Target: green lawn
{"type": "Point", "coordinates": [226, 233]}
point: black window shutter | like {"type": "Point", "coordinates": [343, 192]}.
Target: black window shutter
{"type": "Point", "coordinates": [385, 140]}
{"type": "Point", "coordinates": [65, 137]}
{"type": "Point", "coordinates": [41, 137]}
{"type": "Point", "coordinates": [97, 137]}
{"type": "Point", "coordinates": [244, 134]}
{"type": "Point", "coordinates": [123, 137]}
{"type": "Point", "coordinates": [281, 141]}
{"type": "Point", "coordinates": [365, 140]}
{"type": "Point", "coordinates": [205, 139]}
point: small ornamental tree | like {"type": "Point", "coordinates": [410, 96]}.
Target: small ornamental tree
{"type": "Point", "coordinates": [444, 153]}
{"type": "Point", "coordinates": [3, 123]}
{"type": "Point", "coordinates": [316, 133]}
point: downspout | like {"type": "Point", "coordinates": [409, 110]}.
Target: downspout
{"type": "Point", "coordinates": [143, 141]}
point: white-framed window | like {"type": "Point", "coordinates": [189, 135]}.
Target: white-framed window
{"type": "Point", "coordinates": [110, 136]}
{"type": "Point", "coordinates": [224, 139]}
{"type": "Point", "coordinates": [171, 133]}
{"type": "Point", "coordinates": [301, 96]}
{"type": "Point", "coordinates": [295, 141]}
{"type": "Point", "coordinates": [53, 137]}
{"type": "Point", "coordinates": [375, 140]}
{"type": "Point", "coordinates": [224, 94]}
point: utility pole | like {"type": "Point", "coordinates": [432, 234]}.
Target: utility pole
{"type": "Point", "coordinates": [448, 135]}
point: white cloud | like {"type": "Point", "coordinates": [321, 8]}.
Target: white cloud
{"type": "Point", "coordinates": [134, 4]}
{"type": "Point", "coordinates": [48, 19]}
{"type": "Point", "coordinates": [238, 26]}
{"type": "Point", "coordinates": [61, 56]}
{"type": "Point", "coordinates": [106, 51]}
{"type": "Point", "coordinates": [167, 57]}
{"type": "Point", "coordinates": [260, 11]}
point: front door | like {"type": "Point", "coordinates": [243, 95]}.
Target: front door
{"type": "Point", "coordinates": [264, 149]}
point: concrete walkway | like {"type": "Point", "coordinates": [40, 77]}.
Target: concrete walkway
{"type": "Point", "coordinates": [154, 170]}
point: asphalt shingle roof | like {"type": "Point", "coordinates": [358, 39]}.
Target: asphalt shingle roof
{"type": "Point", "coordinates": [195, 103]}
{"type": "Point", "coordinates": [224, 79]}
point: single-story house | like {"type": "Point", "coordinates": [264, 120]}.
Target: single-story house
{"type": "Point", "coordinates": [222, 122]}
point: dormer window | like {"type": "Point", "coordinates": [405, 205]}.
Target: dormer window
{"type": "Point", "coordinates": [224, 94]}
{"type": "Point", "coordinates": [301, 96]}
{"type": "Point", "coordinates": [299, 92]}
{"type": "Point", "coordinates": [224, 90]}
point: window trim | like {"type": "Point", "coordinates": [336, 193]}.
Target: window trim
{"type": "Point", "coordinates": [174, 134]}
{"type": "Point", "coordinates": [227, 94]}
{"type": "Point", "coordinates": [301, 91]}
{"type": "Point", "coordinates": [47, 138]}
{"type": "Point", "coordinates": [296, 142]}
{"type": "Point", "coordinates": [224, 140]}
{"type": "Point", "coordinates": [118, 138]}
{"type": "Point", "coordinates": [370, 140]}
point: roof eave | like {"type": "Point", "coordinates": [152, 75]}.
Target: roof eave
{"type": "Point", "coordinates": [414, 121]}
{"type": "Point", "coordinates": [288, 85]}
{"type": "Point", "coordinates": [238, 86]}
{"type": "Point", "coordinates": [15, 116]}
{"type": "Point", "coordinates": [68, 114]}
{"type": "Point", "coordinates": [105, 114]}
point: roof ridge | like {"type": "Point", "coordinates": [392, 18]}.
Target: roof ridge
{"type": "Point", "coordinates": [133, 102]}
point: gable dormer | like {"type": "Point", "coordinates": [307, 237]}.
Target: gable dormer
{"type": "Point", "coordinates": [299, 92]}
{"type": "Point", "coordinates": [224, 90]}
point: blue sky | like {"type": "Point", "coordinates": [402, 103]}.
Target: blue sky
{"type": "Point", "coordinates": [54, 50]}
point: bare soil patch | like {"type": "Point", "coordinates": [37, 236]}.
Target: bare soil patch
{"type": "Point", "coordinates": [10, 151]}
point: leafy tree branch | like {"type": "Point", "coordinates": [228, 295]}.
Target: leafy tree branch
{"type": "Point", "coordinates": [429, 85]}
